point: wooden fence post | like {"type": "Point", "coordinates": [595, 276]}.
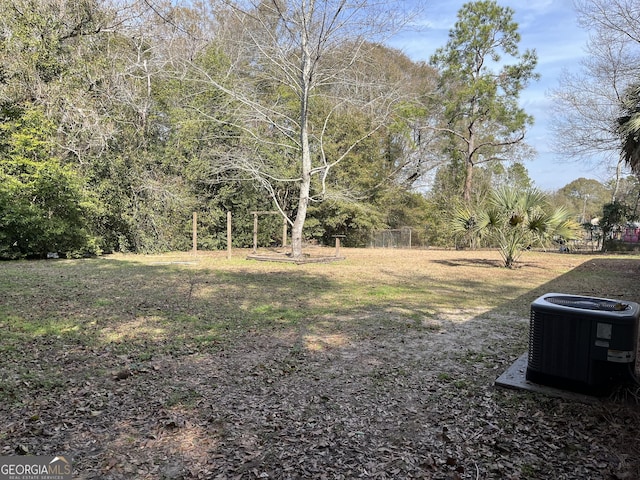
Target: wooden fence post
{"type": "Point", "coordinates": [255, 232]}
{"type": "Point", "coordinates": [338, 237]}
{"type": "Point", "coordinates": [229, 235]}
{"type": "Point", "coordinates": [284, 232]}
{"type": "Point", "coordinates": [195, 233]}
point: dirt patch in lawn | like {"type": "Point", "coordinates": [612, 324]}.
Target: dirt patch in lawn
{"type": "Point", "coordinates": [380, 366]}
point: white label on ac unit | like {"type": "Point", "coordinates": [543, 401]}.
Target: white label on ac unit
{"type": "Point", "coordinates": [620, 356]}
{"type": "Point", "coordinates": [604, 331]}
{"type": "Point", "coordinates": [602, 343]}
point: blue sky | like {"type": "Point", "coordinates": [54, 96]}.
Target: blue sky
{"type": "Point", "coordinates": [548, 26]}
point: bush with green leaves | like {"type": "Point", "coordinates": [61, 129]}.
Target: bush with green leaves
{"type": "Point", "coordinates": [43, 207]}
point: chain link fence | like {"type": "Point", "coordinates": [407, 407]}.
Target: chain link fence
{"type": "Point", "coordinates": [404, 237]}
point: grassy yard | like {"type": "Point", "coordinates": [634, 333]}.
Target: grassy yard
{"type": "Point", "coordinates": [377, 366]}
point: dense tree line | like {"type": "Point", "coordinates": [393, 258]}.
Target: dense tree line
{"type": "Point", "coordinates": [118, 120]}
{"type": "Point", "coordinates": [117, 123]}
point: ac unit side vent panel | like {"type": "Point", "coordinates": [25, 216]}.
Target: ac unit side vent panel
{"type": "Point", "coordinates": [559, 345]}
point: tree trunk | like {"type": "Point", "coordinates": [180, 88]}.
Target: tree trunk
{"type": "Point", "coordinates": [303, 201]}
{"type": "Point", "coordinates": [614, 194]}
{"type": "Point", "coordinates": [468, 178]}
{"type": "Point", "coordinates": [468, 182]}
{"type": "Point", "coordinates": [305, 177]}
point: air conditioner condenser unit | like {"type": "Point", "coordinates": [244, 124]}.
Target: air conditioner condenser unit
{"type": "Point", "coordinates": [582, 344]}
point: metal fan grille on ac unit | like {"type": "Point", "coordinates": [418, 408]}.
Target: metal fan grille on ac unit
{"type": "Point", "coordinates": [588, 303]}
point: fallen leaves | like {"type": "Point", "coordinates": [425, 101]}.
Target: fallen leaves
{"type": "Point", "coordinates": [256, 411]}
{"type": "Point", "coordinates": [382, 393]}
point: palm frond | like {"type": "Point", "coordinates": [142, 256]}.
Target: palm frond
{"type": "Point", "coordinates": [463, 220]}
{"type": "Point", "coordinates": [629, 129]}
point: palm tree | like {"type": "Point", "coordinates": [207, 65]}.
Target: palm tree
{"type": "Point", "coordinates": [629, 129]}
{"type": "Point", "coordinates": [515, 220]}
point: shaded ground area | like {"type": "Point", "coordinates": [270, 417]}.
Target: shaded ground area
{"type": "Point", "coordinates": [230, 373]}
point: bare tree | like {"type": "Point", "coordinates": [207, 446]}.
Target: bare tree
{"type": "Point", "coordinates": [301, 62]}
{"type": "Point", "coordinates": [588, 103]}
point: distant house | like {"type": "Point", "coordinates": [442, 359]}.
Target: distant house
{"type": "Point", "coordinates": [631, 233]}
